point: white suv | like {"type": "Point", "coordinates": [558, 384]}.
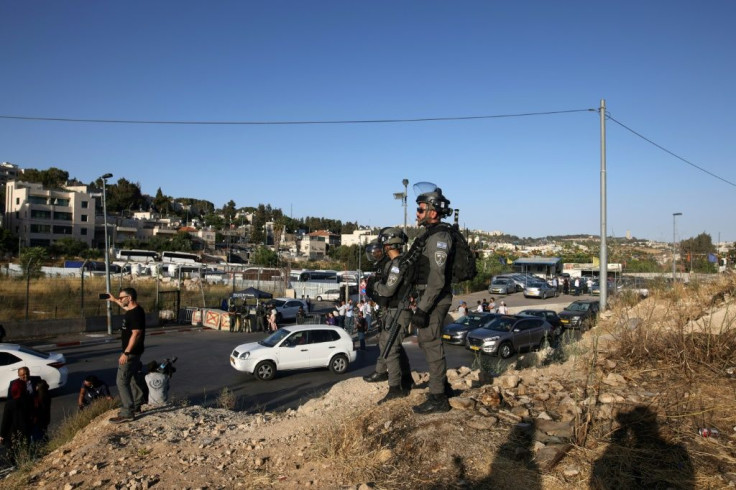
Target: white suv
{"type": "Point", "coordinates": [297, 347]}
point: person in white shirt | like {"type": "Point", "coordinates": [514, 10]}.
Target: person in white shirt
{"type": "Point", "coordinates": [502, 309]}
{"type": "Point", "coordinates": [462, 309]}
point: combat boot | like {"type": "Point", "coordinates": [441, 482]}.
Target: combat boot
{"type": "Point", "coordinates": [393, 392]}
{"type": "Point", "coordinates": [433, 404]}
{"type": "Point", "coordinates": [375, 377]}
{"type": "Point", "coordinates": [407, 382]}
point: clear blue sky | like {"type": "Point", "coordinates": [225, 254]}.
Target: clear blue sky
{"type": "Point", "coordinates": [665, 69]}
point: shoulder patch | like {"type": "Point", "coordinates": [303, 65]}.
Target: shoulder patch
{"type": "Point", "coordinates": [395, 269]}
{"type": "Point", "coordinates": [440, 258]}
{"type": "Point", "coordinates": [442, 245]}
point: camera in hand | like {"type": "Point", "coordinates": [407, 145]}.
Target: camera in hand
{"type": "Point", "coordinates": [104, 295]}
{"type": "Point", "coordinates": [167, 367]}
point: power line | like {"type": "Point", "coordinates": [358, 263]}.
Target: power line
{"type": "Point", "coordinates": [608, 116]}
{"type": "Point", "coordinates": [287, 123]}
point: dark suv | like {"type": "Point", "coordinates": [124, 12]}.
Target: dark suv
{"type": "Point", "coordinates": [580, 314]}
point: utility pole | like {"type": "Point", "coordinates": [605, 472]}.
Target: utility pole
{"type": "Point", "coordinates": [603, 256]}
{"type": "Point", "coordinates": [674, 244]}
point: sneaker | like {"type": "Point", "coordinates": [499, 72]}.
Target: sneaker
{"type": "Point", "coordinates": [375, 377]}
{"type": "Point", "coordinates": [120, 420]}
{"type": "Point", "coordinates": [433, 404]}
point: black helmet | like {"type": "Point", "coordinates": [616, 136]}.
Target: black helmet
{"type": "Point", "coordinates": [432, 196]}
{"type": "Point", "coordinates": [394, 237]}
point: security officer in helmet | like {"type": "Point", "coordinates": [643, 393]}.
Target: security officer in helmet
{"type": "Point", "coordinates": [387, 291]}
{"type": "Point", "coordinates": [432, 280]}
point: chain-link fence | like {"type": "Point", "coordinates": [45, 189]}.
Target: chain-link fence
{"type": "Point", "coordinates": [76, 297]}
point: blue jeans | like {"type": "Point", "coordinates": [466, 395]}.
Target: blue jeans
{"type": "Point", "coordinates": [129, 388]}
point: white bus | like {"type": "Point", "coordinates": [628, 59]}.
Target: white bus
{"type": "Point", "coordinates": [137, 256]}
{"type": "Point", "coordinates": [179, 258]}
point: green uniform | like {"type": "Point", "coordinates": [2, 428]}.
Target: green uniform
{"type": "Point", "coordinates": [397, 362]}
{"type": "Point", "coordinates": [432, 282]}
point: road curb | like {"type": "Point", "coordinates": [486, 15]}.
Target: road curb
{"type": "Point", "coordinates": [107, 340]}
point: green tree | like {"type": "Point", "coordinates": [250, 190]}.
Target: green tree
{"type": "Point", "coordinates": [265, 257]}
{"type": "Point", "coordinates": [228, 211]}
{"type": "Point", "coordinates": [68, 247]}
{"type": "Point", "coordinates": [8, 241]}
{"type": "Point", "coordinates": [694, 252]}
{"type": "Point", "coordinates": [31, 260]}
{"type": "Point", "coordinates": [124, 196]}
{"type": "Point", "coordinates": [181, 242]}
{"type": "Point", "coordinates": [162, 203]}
{"type": "Point", "coordinates": [51, 178]}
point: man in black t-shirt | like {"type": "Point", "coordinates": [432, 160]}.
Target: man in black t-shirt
{"type": "Point", "coordinates": [132, 335]}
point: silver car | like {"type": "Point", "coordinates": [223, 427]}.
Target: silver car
{"type": "Point", "coordinates": [502, 285]}
{"type": "Point", "coordinates": [508, 334]}
{"type": "Point", "coordinates": [540, 290]}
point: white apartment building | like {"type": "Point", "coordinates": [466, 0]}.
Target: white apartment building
{"type": "Point", "coordinates": [40, 216]}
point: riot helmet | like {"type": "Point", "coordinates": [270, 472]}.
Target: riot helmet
{"type": "Point", "coordinates": [374, 251]}
{"type": "Point", "coordinates": [432, 196]}
{"type": "Point", "coordinates": [392, 237]}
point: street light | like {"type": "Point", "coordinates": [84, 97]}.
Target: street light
{"type": "Point", "coordinates": [107, 250]}
{"type": "Point", "coordinates": [674, 242]}
{"type": "Point", "coordinates": [402, 196]}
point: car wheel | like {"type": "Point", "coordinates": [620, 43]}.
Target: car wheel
{"type": "Point", "coordinates": [265, 370]}
{"type": "Point", "coordinates": [339, 364]}
{"type": "Point", "coordinates": [319, 298]}
{"type": "Point", "coordinates": [505, 350]}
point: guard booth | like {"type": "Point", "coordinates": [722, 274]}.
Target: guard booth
{"type": "Point", "coordinates": [169, 303]}
{"type": "Point", "coordinates": [539, 266]}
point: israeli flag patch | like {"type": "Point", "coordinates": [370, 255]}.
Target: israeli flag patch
{"type": "Point", "coordinates": [394, 269]}
{"type": "Point", "coordinates": [442, 245]}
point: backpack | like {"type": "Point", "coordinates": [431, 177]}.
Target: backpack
{"type": "Point", "coordinates": [463, 259]}
{"type": "Point", "coordinates": [461, 263]}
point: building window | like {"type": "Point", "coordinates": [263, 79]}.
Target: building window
{"type": "Point", "coordinates": [84, 218]}
{"type": "Point", "coordinates": [62, 230]}
{"type": "Point", "coordinates": [17, 201]}
{"type": "Point", "coordinates": [61, 202]}
{"type": "Point", "coordinates": [40, 228]}
{"type": "Point", "coordinates": [85, 204]}
{"type": "Point", "coordinates": [40, 214]}
{"type": "Point", "coordinates": [37, 200]}
{"type": "Point", "coordinates": [61, 216]}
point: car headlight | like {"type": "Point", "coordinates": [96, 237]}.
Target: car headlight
{"type": "Point", "coordinates": [492, 340]}
{"type": "Point", "coordinates": [575, 318]}
{"type": "Point", "coordinates": [244, 355]}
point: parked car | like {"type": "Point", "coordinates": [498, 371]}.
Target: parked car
{"type": "Point", "coordinates": [297, 347]}
{"type": "Point", "coordinates": [507, 334]}
{"type": "Point", "coordinates": [50, 366]}
{"type": "Point", "coordinates": [502, 286]}
{"type": "Point", "coordinates": [286, 308]}
{"type": "Point", "coordinates": [580, 314]}
{"type": "Point", "coordinates": [330, 295]}
{"type": "Point", "coordinates": [457, 331]}
{"type": "Point", "coordinates": [550, 315]}
{"type": "Point", "coordinates": [540, 290]}
{"type": "Point", "coordinates": [595, 289]}
{"type": "Point", "coordinates": [634, 285]}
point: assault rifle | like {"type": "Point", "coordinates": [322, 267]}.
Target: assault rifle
{"type": "Point", "coordinates": [394, 327]}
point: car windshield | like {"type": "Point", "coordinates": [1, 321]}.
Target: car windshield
{"type": "Point", "coordinates": [277, 302]}
{"type": "Point", "coordinates": [275, 337]}
{"type": "Point", "coordinates": [470, 320]}
{"type": "Point", "coordinates": [500, 324]}
{"type": "Point", "coordinates": [578, 307]}
{"type": "Point", "coordinates": [500, 282]}
{"type": "Point", "coordinates": [531, 313]}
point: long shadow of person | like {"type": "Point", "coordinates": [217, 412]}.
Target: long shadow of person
{"type": "Point", "coordinates": [514, 465]}
{"type": "Point", "coordinates": [637, 457]}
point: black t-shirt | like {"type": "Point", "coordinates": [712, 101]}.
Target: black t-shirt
{"type": "Point", "coordinates": [134, 319]}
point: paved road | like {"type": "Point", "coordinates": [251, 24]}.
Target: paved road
{"type": "Point", "coordinates": [203, 369]}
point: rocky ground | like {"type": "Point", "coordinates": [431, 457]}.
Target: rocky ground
{"type": "Point", "coordinates": [574, 417]}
